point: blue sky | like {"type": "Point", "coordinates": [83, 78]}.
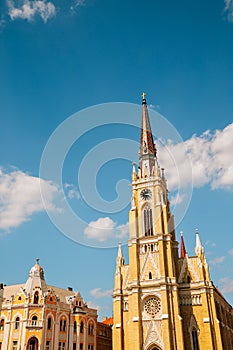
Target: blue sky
{"type": "Point", "coordinates": [58, 58]}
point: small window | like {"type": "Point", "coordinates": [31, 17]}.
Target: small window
{"type": "Point", "coordinates": [64, 325]}
{"type": "Point", "coordinates": [75, 326]}
{"type": "Point", "coordinates": [150, 276]}
{"type": "Point", "coordinates": [2, 325]}
{"type": "Point", "coordinates": [34, 320]}
{"type": "Point", "coordinates": [74, 346]}
{"type": "Point", "coordinates": [14, 346]}
{"type": "Point", "coordinates": [81, 327]}
{"type": "Point", "coordinates": [47, 345]}
{"type": "Point", "coordinates": [19, 298]}
{"type": "Point", "coordinates": [36, 298]}
{"type": "Point", "coordinates": [188, 279]}
{"type": "Point", "coordinates": [49, 324]}
{"type": "Point", "coordinates": [90, 329]}
{"type": "Point", "coordinates": [17, 320]}
{"type": "Point", "coordinates": [195, 340]}
{"type": "Point", "coordinates": [81, 346]}
{"type": "Point", "coordinates": [51, 299]}
{"type": "Point", "coordinates": [61, 325]}
{"type": "Point", "coordinates": [0, 345]}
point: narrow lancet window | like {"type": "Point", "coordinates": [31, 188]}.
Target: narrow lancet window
{"type": "Point", "coordinates": [148, 222]}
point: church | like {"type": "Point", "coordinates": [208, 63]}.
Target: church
{"type": "Point", "coordinates": [163, 299]}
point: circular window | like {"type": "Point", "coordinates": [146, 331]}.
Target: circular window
{"type": "Point", "coordinates": [152, 306]}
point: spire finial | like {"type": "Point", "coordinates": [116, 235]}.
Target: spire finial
{"type": "Point", "coordinates": [143, 98]}
{"type": "Point", "coordinates": [37, 260]}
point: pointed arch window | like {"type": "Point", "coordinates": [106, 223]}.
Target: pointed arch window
{"type": "Point", "coordinates": [36, 298]}
{"type": "Point", "coordinates": [17, 320]}
{"type": "Point", "coordinates": [148, 221]}
{"type": "Point", "coordinates": [91, 329]}
{"type": "Point", "coordinates": [195, 339]}
{"type": "Point", "coordinates": [49, 324]}
{"type": "Point", "coordinates": [34, 320]}
{"type": "Point", "coordinates": [75, 326]}
{"type": "Point", "coordinates": [81, 327]}
{"type": "Point", "coordinates": [2, 325]}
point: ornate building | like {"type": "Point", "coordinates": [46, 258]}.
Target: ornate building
{"type": "Point", "coordinates": [35, 316]}
{"type": "Point", "coordinates": [162, 301]}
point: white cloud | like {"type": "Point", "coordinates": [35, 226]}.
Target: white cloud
{"type": "Point", "coordinates": [226, 285]}
{"type": "Point", "coordinates": [176, 199]}
{"type": "Point", "coordinates": [98, 293]}
{"type": "Point", "coordinates": [20, 197]}
{"type": "Point", "coordinates": [28, 9]}
{"type": "Point", "coordinates": [72, 191]}
{"type": "Point", "coordinates": [211, 160]}
{"type": "Point", "coordinates": [76, 4]}
{"type": "Point", "coordinates": [229, 9]}
{"type": "Point", "coordinates": [97, 307]}
{"type": "Point", "coordinates": [230, 252]}
{"type": "Point", "coordinates": [105, 228]}
{"type": "Point", "coordinates": [216, 261]}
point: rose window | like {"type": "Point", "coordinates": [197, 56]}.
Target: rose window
{"type": "Point", "coordinates": [152, 306]}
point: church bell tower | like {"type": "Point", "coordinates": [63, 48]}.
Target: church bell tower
{"type": "Point", "coordinates": [145, 297]}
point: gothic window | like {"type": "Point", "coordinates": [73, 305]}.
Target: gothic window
{"type": "Point", "coordinates": [2, 325]}
{"type": "Point", "coordinates": [14, 346]}
{"type": "Point", "coordinates": [81, 327]}
{"type": "Point", "coordinates": [188, 279]}
{"type": "Point", "coordinates": [34, 320]}
{"type": "Point", "coordinates": [195, 339]}
{"type": "Point", "coordinates": [36, 298]}
{"type": "Point", "coordinates": [49, 324]}
{"type": "Point", "coordinates": [150, 276]}
{"type": "Point", "coordinates": [90, 329]}
{"type": "Point", "coordinates": [61, 325]}
{"type": "Point", "coordinates": [75, 326]}
{"type": "Point", "coordinates": [64, 325]}
{"type": "Point", "coordinates": [152, 306]}
{"type": "Point", "coordinates": [17, 322]}
{"type": "Point", "coordinates": [148, 221]}
{"type": "Point", "coordinates": [47, 345]}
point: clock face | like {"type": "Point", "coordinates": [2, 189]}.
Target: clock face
{"type": "Point", "coordinates": [146, 194]}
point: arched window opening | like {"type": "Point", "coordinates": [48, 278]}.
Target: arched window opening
{"type": "Point", "coordinates": [61, 325]}
{"type": "Point", "coordinates": [148, 222]}
{"type": "Point", "coordinates": [49, 324]}
{"type": "Point", "coordinates": [2, 325]}
{"type": "Point", "coordinates": [64, 325]}
{"type": "Point", "coordinates": [195, 340]}
{"type": "Point", "coordinates": [145, 248]}
{"type": "Point", "coordinates": [32, 344]}
{"type": "Point", "coordinates": [188, 279]}
{"type": "Point", "coordinates": [34, 320]}
{"type": "Point", "coordinates": [150, 276]}
{"type": "Point", "coordinates": [151, 248]}
{"type": "Point", "coordinates": [90, 329]}
{"type": "Point", "coordinates": [81, 327]}
{"type": "Point", "coordinates": [75, 326]}
{"type": "Point", "coordinates": [17, 320]}
{"type": "Point", "coordinates": [36, 298]}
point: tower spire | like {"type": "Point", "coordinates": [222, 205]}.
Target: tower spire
{"type": "Point", "coordinates": [182, 247]}
{"type": "Point", "coordinates": [147, 148]}
{"type": "Point", "coordinates": [199, 250]}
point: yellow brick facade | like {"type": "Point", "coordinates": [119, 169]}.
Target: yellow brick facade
{"type": "Point", "coordinates": [161, 301]}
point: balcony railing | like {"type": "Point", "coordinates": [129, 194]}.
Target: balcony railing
{"type": "Point", "coordinates": [34, 324]}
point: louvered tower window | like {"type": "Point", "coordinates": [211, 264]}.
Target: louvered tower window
{"type": "Point", "coordinates": [148, 222]}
